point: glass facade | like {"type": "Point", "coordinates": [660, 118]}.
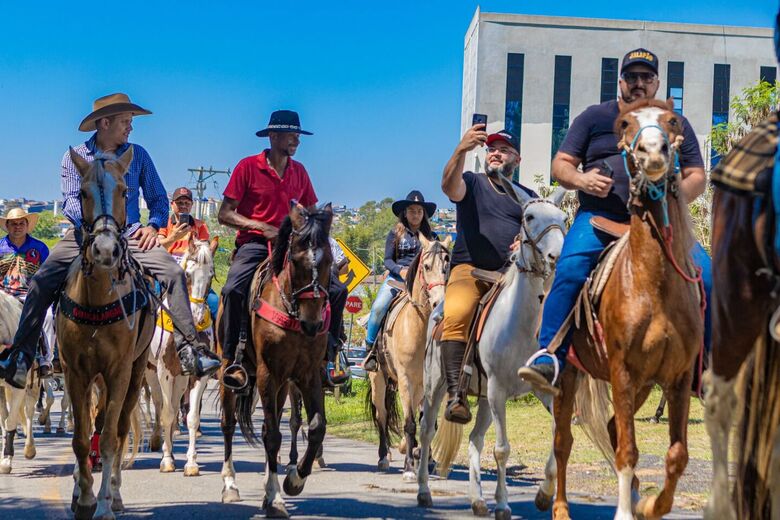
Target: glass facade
{"type": "Point", "coordinates": [561, 97]}
{"type": "Point", "coordinates": [720, 101]}
{"type": "Point", "coordinates": [513, 116]}
{"type": "Point", "coordinates": [675, 78]}
{"type": "Point", "coordinates": [769, 74]}
{"type": "Point", "coordinates": [609, 79]}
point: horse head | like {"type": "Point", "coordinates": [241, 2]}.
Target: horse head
{"type": "Point", "coordinates": [544, 226]}
{"type": "Point", "coordinates": [198, 266]}
{"type": "Point", "coordinates": [301, 261]}
{"type": "Point", "coordinates": [650, 133]}
{"type": "Point", "coordinates": [431, 268]}
{"type": "Point", "coordinates": [103, 207]}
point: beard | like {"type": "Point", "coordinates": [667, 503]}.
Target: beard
{"type": "Point", "coordinates": [505, 170]}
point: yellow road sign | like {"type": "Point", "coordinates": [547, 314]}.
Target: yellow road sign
{"type": "Point", "coordinates": [357, 269]}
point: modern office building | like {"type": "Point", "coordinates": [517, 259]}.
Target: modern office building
{"type": "Point", "coordinates": [535, 74]}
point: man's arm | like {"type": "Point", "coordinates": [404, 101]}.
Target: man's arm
{"type": "Point", "coordinates": [228, 216]}
{"type": "Point", "coordinates": [694, 181]}
{"type": "Point", "coordinates": [71, 186]}
{"type": "Point", "coordinates": [564, 170]}
{"type": "Point", "coordinates": [452, 180]}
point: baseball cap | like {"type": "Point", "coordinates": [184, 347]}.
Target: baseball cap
{"type": "Point", "coordinates": [642, 57]}
{"type": "Point", "coordinates": [504, 135]}
{"type": "Point", "coordinates": [182, 192]}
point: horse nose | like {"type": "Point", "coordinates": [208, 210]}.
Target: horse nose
{"type": "Point", "coordinates": [115, 252]}
{"type": "Point", "coordinates": [310, 329]}
{"type": "Point", "coordinates": [552, 257]}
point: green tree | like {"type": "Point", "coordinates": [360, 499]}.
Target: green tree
{"type": "Point", "coordinates": [47, 227]}
{"type": "Point", "coordinates": [753, 106]}
{"type": "Point", "coordinates": [365, 230]}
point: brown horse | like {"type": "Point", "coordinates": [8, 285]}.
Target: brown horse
{"type": "Point", "coordinates": [743, 299]}
{"type": "Point", "coordinates": [98, 280]}
{"type": "Point", "coordinates": [651, 316]}
{"type": "Point", "coordinates": [289, 324]}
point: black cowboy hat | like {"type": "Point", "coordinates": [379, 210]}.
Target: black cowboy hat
{"type": "Point", "coordinates": [283, 121]}
{"type": "Point", "coordinates": [414, 197]}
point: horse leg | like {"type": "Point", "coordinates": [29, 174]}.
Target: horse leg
{"type": "Point", "coordinates": [228, 426]}
{"type": "Point", "coordinates": [476, 444]}
{"type": "Point", "coordinates": [117, 387]}
{"type": "Point", "coordinates": [84, 501]}
{"type": "Point", "coordinates": [378, 391]}
{"type": "Point", "coordinates": [626, 454]}
{"type": "Point", "coordinates": [563, 409]}
{"type": "Point", "coordinates": [155, 443]}
{"type": "Point", "coordinates": [314, 402]}
{"type": "Point", "coordinates": [433, 396]}
{"type": "Point", "coordinates": [497, 398]}
{"type": "Point", "coordinates": [659, 412]}
{"type": "Point", "coordinates": [410, 427]}
{"type": "Point", "coordinates": [273, 503]}
{"type": "Point", "coordinates": [677, 456]}
{"type": "Point", "coordinates": [295, 424]}
{"type": "Point", "coordinates": [14, 399]}
{"type": "Point", "coordinates": [66, 412]}
{"type": "Point", "coordinates": [719, 405]}
{"type": "Point", "coordinates": [44, 419]}
{"type": "Point", "coordinates": [172, 388]}
{"type": "Point", "coordinates": [29, 412]}
{"type": "Point", "coordinates": [193, 425]}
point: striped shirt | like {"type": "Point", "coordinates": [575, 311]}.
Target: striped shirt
{"type": "Point", "coordinates": [142, 175]}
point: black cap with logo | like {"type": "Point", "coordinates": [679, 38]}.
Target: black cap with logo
{"type": "Point", "coordinates": [640, 57]}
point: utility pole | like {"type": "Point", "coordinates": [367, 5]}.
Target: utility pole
{"type": "Point", "coordinates": [201, 176]}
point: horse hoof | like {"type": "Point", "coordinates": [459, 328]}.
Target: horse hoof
{"type": "Point", "coordinates": [30, 453]}
{"type": "Point", "coordinates": [117, 505]}
{"type": "Point", "coordinates": [155, 444]}
{"type": "Point", "coordinates": [480, 508]}
{"type": "Point", "coordinates": [321, 462]}
{"type": "Point", "coordinates": [542, 501]}
{"type": "Point", "coordinates": [84, 512]}
{"type": "Point", "coordinates": [654, 420]}
{"type": "Point", "coordinates": [230, 495]}
{"type": "Point", "coordinates": [5, 470]}
{"type": "Point", "coordinates": [60, 430]}
{"type": "Point", "coordinates": [277, 510]}
{"type": "Point", "coordinates": [410, 476]}
{"type": "Point", "coordinates": [503, 514]}
{"type": "Point", "coordinates": [167, 467]}
{"type": "Point", "coordinates": [383, 465]}
{"type": "Point", "coordinates": [191, 470]}
{"type": "Point", "coordinates": [424, 500]}
{"type": "Point", "coordinates": [291, 488]}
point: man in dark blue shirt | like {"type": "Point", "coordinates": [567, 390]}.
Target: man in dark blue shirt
{"type": "Point", "coordinates": [603, 189]}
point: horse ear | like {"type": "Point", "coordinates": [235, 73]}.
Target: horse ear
{"type": "Point", "coordinates": [214, 245]}
{"type": "Point", "coordinates": [558, 195]}
{"type": "Point", "coordinates": [328, 207]}
{"type": "Point", "coordinates": [125, 159]}
{"type": "Point", "coordinates": [447, 242]}
{"type": "Point", "coordinates": [82, 166]}
{"type": "Point", "coordinates": [424, 241]}
{"type": "Point", "coordinates": [518, 195]}
{"type": "Point", "coordinates": [297, 215]}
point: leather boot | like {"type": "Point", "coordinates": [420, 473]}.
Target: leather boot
{"type": "Point", "coordinates": [370, 363]}
{"type": "Point", "coordinates": [457, 410]}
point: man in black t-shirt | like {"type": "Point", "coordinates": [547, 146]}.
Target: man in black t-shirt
{"type": "Point", "coordinates": [603, 189]}
{"type": "Point", "coordinates": [487, 222]}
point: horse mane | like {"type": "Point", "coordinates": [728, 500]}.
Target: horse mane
{"type": "Point", "coordinates": [315, 230]}
{"type": "Point", "coordinates": [411, 274]}
{"type": "Point", "coordinates": [10, 310]}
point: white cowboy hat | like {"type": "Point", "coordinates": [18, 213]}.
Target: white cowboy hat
{"type": "Point", "coordinates": [17, 213]}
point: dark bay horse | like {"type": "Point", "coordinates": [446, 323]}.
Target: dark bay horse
{"type": "Point", "coordinates": [744, 335]}
{"type": "Point", "coordinates": [289, 324]}
{"type": "Point", "coordinates": [651, 317]}
{"type": "Point", "coordinates": [101, 282]}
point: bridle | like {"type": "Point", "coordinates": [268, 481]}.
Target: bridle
{"type": "Point", "coordinates": [537, 265]}
{"type": "Point", "coordinates": [186, 259]}
{"type": "Point", "coordinates": [437, 249]}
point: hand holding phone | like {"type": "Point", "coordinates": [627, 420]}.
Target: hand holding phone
{"type": "Point", "coordinates": [479, 119]}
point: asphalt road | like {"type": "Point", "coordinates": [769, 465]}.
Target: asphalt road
{"type": "Point", "coordinates": [349, 487]}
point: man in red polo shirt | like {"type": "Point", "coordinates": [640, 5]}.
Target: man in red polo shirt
{"type": "Point", "coordinates": [256, 200]}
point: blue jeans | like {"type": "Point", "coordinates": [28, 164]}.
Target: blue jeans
{"type": "Point", "coordinates": [384, 297]}
{"type": "Point", "coordinates": [581, 249]}
{"type": "Point", "coordinates": [212, 300]}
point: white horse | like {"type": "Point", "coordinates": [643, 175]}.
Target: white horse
{"type": "Point", "coordinates": [15, 403]}
{"type": "Point", "coordinates": [507, 340]}
{"type": "Point", "coordinates": [198, 264]}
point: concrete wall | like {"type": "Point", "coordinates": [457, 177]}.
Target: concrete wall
{"type": "Point", "coordinates": [492, 36]}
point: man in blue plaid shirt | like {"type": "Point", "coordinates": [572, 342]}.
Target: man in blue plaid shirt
{"type": "Point", "coordinates": [111, 119]}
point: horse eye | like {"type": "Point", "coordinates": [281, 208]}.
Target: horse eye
{"type": "Point", "coordinates": [529, 218]}
{"type": "Point", "coordinates": [427, 267]}
{"type": "Point", "coordinates": [624, 124]}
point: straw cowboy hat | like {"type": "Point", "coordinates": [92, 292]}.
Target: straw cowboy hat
{"type": "Point", "coordinates": [108, 106]}
{"type": "Point", "coordinates": [17, 213]}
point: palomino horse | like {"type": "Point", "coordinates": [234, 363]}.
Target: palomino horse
{"type": "Point", "coordinates": [402, 351]}
{"type": "Point", "coordinates": [744, 296]}
{"type": "Point", "coordinates": [508, 339]}
{"type": "Point", "coordinates": [651, 316]}
{"type": "Point", "coordinates": [15, 403]}
{"type": "Point", "coordinates": [102, 279]}
{"type": "Point", "coordinates": [290, 315]}
{"type": "Point", "coordinates": [198, 265]}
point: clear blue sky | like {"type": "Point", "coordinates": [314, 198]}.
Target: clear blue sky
{"type": "Point", "coordinates": [379, 86]}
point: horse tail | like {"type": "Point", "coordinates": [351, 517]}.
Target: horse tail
{"type": "Point", "coordinates": [391, 411]}
{"type": "Point", "coordinates": [593, 406]}
{"type": "Point", "coordinates": [759, 432]}
{"type": "Point", "coordinates": [445, 445]}
{"type": "Point", "coordinates": [244, 410]}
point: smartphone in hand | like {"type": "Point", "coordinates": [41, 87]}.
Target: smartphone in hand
{"type": "Point", "coordinates": [479, 119]}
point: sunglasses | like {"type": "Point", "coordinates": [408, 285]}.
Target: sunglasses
{"type": "Point", "coordinates": [633, 77]}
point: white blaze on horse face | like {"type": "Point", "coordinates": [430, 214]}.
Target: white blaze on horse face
{"type": "Point", "coordinates": [651, 148]}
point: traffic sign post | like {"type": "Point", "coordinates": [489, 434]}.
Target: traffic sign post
{"type": "Point", "coordinates": [354, 304]}
{"type": "Point", "coordinates": [358, 270]}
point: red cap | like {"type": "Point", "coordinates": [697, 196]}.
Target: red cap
{"type": "Point", "coordinates": [182, 192]}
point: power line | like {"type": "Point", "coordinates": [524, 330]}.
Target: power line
{"type": "Point", "coordinates": [201, 176]}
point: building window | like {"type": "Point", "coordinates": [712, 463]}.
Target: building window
{"type": "Point", "coordinates": [675, 77]}
{"type": "Point", "coordinates": [561, 96]}
{"type": "Point", "coordinates": [769, 74]}
{"type": "Point", "coordinates": [720, 101]}
{"type": "Point", "coordinates": [609, 79]}
{"type": "Point", "coordinates": [513, 116]}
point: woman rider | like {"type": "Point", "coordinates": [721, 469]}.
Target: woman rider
{"type": "Point", "coordinates": [401, 246]}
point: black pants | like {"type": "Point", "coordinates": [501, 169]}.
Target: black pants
{"type": "Point", "coordinates": [236, 292]}
{"type": "Point", "coordinates": [337, 293]}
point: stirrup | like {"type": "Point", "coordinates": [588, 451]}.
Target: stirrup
{"type": "Point", "coordinates": [528, 374]}
{"type": "Point", "coordinates": [231, 382]}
